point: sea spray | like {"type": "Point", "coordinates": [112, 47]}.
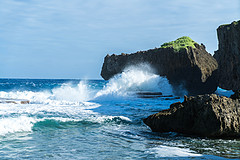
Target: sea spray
{"type": "Point", "coordinates": [55, 127]}
{"type": "Point", "coordinates": [67, 92]}
{"type": "Point", "coordinates": [134, 79]}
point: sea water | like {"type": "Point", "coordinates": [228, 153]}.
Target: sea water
{"type": "Point", "coordinates": [96, 119]}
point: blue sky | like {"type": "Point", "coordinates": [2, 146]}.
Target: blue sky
{"type": "Point", "coordinates": [70, 38]}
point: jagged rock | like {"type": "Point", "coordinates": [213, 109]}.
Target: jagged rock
{"type": "Point", "coordinates": [228, 56]}
{"type": "Point", "coordinates": [204, 115]}
{"type": "Point", "coordinates": [187, 66]}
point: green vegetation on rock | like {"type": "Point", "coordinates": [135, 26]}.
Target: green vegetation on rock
{"type": "Point", "coordinates": [179, 44]}
{"type": "Point", "coordinates": [236, 22]}
{"type": "Point", "coordinates": [228, 25]}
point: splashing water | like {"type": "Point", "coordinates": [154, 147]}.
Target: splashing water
{"type": "Point", "coordinates": [69, 93]}
{"type": "Point", "coordinates": [133, 79]}
{"type": "Point", "coordinates": [136, 78]}
{"type": "Point", "coordinates": [72, 119]}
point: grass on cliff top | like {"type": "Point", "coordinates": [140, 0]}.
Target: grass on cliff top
{"type": "Point", "coordinates": [234, 23]}
{"type": "Point", "coordinates": [179, 44]}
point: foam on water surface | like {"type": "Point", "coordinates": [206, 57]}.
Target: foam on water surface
{"type": "Point", "coordinates": [133, 79]}
{"type": "Point", "coordinates": [25, 122]}
{"type": "Point", "coordinates": [16, 124]}
{"type": "Point", "coordinates": [167, 151]}
{"type": "Point", "coordinates": [66, 119]}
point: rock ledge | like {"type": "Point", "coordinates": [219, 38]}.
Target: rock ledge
{"type": "Point", "coordinates": [204, 115]}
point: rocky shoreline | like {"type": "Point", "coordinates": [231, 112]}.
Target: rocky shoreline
{"type": "Point", "coordinates": [188, 65]}
{"type": "Point", "coordinates": [204, 115]}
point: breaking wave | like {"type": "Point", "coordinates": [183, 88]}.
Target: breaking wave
{"type": "Point", "coordinates": [136, 79]}
{"type": "Point", "coordinates": [133, 79]}
{"type": "Point", "coordinates": [73, 103]}
{"type": "Point", "coordinates": [29, 124]}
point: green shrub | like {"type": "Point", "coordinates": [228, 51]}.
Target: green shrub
{"type": "Point", "coordinates": [179, 44]}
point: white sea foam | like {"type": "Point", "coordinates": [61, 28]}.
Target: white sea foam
{"type": "Point", "coordinates": [21, 118]}
{"type": "Point", "coordinates": [66, 92]}
{"type": "Point", "coordinates": [167, 151]}
{"type": "Point", "coordinates": [71, 102]}
{"type": "Point", "coordinates": [16, 124]}
{"type": "Point", "coordinates": [64, 95]}
{"type": "Point", "coordinates": [136, 78]}
{"type": "Point", "coordinates": [95, 118]}
{"type": "Point", "coordinates": [25, 123]}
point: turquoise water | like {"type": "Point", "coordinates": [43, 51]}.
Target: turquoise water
{"type": "Point", "coordinates": [96, 119]}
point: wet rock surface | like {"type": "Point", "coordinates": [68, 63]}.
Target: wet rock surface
{"type": "Point", "coordinates": [204, 115]}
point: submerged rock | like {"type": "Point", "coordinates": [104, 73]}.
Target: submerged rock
{"type": "Point", "coordinates": [204, 115]}
{"type": "Point", "coordinates": [228, 56]}
{"type": "Point", "coordinates": [15, 101]}
{"type": "Point", "coordinates": [186, 64]}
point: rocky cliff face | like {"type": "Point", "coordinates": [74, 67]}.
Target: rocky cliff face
{"type": "Point", "coordinates": [191, 67]}
{"type": "Point", "coordinates": [204, 115]}
{"type": "Point", "coordinates": [228, 56]}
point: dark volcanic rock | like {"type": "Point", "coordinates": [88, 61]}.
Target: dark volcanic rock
{"type": "Point", "coordinates": [228, 56]}
{"type": "Point", "coordinates": [192, 68]}
{"type": "Point", "coordinates": [236, 95]}
{"type": "Point", "coordinates": [204, 115]}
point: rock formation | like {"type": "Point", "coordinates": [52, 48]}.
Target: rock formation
{"type": "Point", "coordinates": [185, 63]}
{"type": "Point", "coordinates": [228, 56]}
{"type": "Point", "coordinates": [204, 115]}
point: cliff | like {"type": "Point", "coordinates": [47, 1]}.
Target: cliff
{"type": "Point", "coordinates": [185, 63]}
{"type": "Point", "coordinates": [228, 56]}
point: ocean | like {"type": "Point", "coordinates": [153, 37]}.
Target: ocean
{"type": "Point", "coordinates": [96, 119]}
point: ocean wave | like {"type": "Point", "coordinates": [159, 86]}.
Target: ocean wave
{"type": "Point", "coordinates": [16, 124]}
{"type": "Point", "coordinates": [28, 124]}
{"type": "Point", "coordinates": [61, 123]}
{"type": "Point", "coordinates": [134, 79]}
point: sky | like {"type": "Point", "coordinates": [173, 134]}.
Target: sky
{"type": "Point", "coordinates": [70, 38]}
